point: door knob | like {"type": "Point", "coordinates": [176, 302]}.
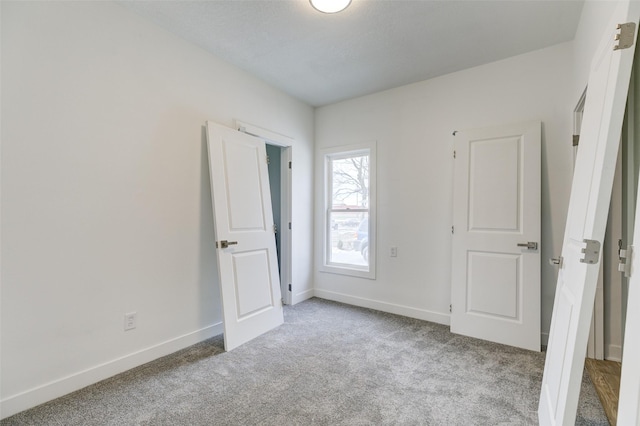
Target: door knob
{"type": "Point", "coordinates": [529, 245]}
{"type": "Point", "coordinates": [556, 261]}
{"type": "Point", "coordinates": [225, 243]}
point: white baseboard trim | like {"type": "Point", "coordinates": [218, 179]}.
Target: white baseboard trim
{"type": "Point", "coordinates": [301, 297]}
{"type": "Point", "coordinates": [391, 308]}
{"type": "Point", "coordinates": [614, 353]}
{"type": "Point", "coordinates": [57, 388]}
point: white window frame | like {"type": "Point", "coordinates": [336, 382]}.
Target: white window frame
{"type": "Point", "coordinates": [328, 155]}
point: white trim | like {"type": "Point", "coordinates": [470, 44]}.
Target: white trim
{"type": "Point", "coordinates": [578, 112]}
{"type": "Point", "coordinates": [614, 353]}
{"type": "Point", "coordinates": [326, 155]}
{"type": "Point", "coordinates": [272, 137]}
{"type": "Point", "coordinates": [595, 345]}
{"type": "Point", "coordinates": [286, 214]}
{"type": "Point", "coordinates": [302, 296]}
{"type": "Point", "coordinates": [57, 388]}
{"type": "Point", "coordinates": [392, 308]}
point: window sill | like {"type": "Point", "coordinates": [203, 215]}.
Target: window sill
{"type": "Point", "coordinates": [346, 270]}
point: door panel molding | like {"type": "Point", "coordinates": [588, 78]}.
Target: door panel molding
{"type": "Point", "coordinates": [247, 265]}
{"type": "Point", "coordinates": [496, 255]}
{"type": "Point", "coordinates": [287, 285]}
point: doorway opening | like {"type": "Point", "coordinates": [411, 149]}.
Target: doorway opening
{"type": "Point", "coordinates": [604, 333]}
{"type": "Point", "coordinates": [606, 337]}
{"type": "Point", "coordinates": [279, 154]}
{"type": "Point", "coordinates": [606, 347]}
{"type": "Point", "coordinates": [274, 154]}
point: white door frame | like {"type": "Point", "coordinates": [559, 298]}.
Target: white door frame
{"type": "Point", "coordinates": [613, 277]}
{"type": "Point", "coordinates": [286, 201]}
{"type": "Point", "coordinates": [595, 345]}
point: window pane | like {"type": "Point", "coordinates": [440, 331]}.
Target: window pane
{"type": "Point", "coordinates": [349, 188]}
{"type": "Point", "coordinates": [350, 182]}
{"type": "Point", "coordinates": [349, 232]}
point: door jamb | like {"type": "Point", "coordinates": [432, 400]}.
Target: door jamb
{"type": "Point", "coordinates": [286, 253]}
{"type": "Point", "coordinates": [630, 158]}
{"type": "Point", "coordinates": [595, 345]}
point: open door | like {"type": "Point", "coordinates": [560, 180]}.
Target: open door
{"type": "Point", "coordinates": [285, 146]}
{"type": "Point", "coordinates": [587, 217]}
{"type": "Point", "coordinates": [495, 290]}
{"type": "Point", "coordinates": [243, 222]}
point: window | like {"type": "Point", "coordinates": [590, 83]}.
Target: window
{"type": "Point", "coordinates": [350, 217]}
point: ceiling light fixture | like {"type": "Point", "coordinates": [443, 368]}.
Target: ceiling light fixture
{"type": "Point", "coordinates": [330, 6]}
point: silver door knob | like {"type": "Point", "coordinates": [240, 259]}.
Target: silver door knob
{"type": "Point", "coordinates": [529, 245]}
{"type": "Point", "coordinates": [225, 243]}
{"type": "Point", "coordinates": [556, 261]}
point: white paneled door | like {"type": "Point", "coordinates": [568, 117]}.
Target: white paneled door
{"type": "Point", "coordinates": [495, 290]}
{"type": "Point", "coordinates": [587, 217]}
{"type": "Point", "coordinates": [245, 243]}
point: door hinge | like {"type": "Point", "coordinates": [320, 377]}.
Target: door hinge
{"type": "Point", "coordinates": [289, 287]}
{"type": "Point", "coordinates": [268, 160]}
{"type": "Point", "coordinates": [289, 164]}
{"type": "Point", "coordinates": [625, 257]}
{"type": "Point", "coordinates": [289, 225]}
{"type": "Point", "coordinates": [591, 252]}
{"type": "Point", "coordinates": [454, 154]}
{"type": "Point", "coordinates": [450, 308]}
{"type": "Point", "coordinates": [275, 228]}
{"type": "Point", "coordinates": [576, 140]}
{"type": "Point", "coordinates": [453, 230]}
{"type": "Point", "coordinates": [625, 36]}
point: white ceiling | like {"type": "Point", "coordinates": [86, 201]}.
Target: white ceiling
{"type": "Point", "coordinates": [372, 46]}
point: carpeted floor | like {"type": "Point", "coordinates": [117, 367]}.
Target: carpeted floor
{"type": "Point", "coordinates": [329, 364]}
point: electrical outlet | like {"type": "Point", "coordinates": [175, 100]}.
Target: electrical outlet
{"type": "Point", "coordinates": [130, 321]}
{"type": "Point", "coordinates": [393, 252]}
